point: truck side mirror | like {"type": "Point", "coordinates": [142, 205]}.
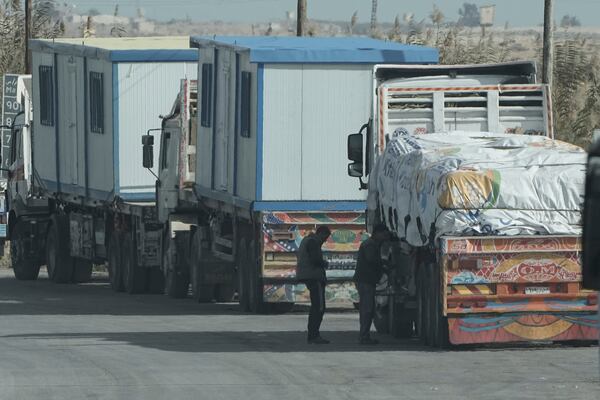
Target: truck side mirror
{"type": "Point", "coordinates": [355, 147]}
{"type": "Point", "coordinates": [148, 151]}
{"type": "Point", "coordinates": [591, 222]}
{"type": "Point", "coordinates": [355, 154]}
{"type": "Point", "coordinates": [355, 170]}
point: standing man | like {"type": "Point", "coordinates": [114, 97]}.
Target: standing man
{"type": "Point", "coordinates": [311, 272]}
{"type": "Point", "coordinates": [369, 269]}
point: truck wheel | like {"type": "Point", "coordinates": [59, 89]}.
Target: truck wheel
{"type": "Point", "coordinates": [440, 323]}
{"type": "Point", "coordinates": [225, 293]}
{"type": "Point", "coordinates": [115, 272]}
{"type": "Point", "coordinates": [381, 319]}
{"type": "Point", "coordinates": [281, 308]}
{"type": "Point", "coordinates": [425, 295]}
{"type": "Point", "coordinates": [134, 276]}
{"type": "Point", "coordinates": [82, 270]}
{"type": "Point", "coordinates": [156, 281]}
{"type": "Point", "coordinates": [24, 269]}
{"type": "Point", "coordinates": [201, 292]}
{"type": "Point", "coordinates": [177, 278]}
{"type": "Point", "coordinates": [59, 261]}
{"type": "Point", "coordinates": [401, 325]}
{"type": "Point", "coordinates": [242, 275]}
{"type": "Point", "coordinates": [255, 287]}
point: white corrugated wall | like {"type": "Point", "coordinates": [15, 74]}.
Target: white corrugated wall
{"type": "Point", "coordinates": [246, 146]}
{"type": "Point", "coordinates": [44, 142]}
{"type": "Point", "coordinates": [146, 90]}
{"type": "Point", "coordinates": [100, 145]}
{"type": "Point", "coordinates": [309, 110]}
{"type": "Point", "coordinates": [71, 125]}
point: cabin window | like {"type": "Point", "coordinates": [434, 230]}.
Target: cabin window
{"type": "Point", "coordinates": [207, 95]}
{"type": "Point", "coordinates": [245, 97]}
{"type": "Point", "coordinates": [46, 95]}
{"type": "Point", "coordinates": [164, 156]}
{"type": "Point", "coordinates": [96, 102]}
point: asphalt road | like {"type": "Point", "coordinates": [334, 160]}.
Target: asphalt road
{"type": "Point", "coordinates": [86, 342]}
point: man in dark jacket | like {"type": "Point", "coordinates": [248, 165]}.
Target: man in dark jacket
{"type": "Point", "coordinates": [311, 272]}
{"type": "Point", "coordinates": [369, 269]}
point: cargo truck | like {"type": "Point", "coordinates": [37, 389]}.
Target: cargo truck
{"type": "Point", "coordinates": [74, 197]}
{"type": "Point", "coordinates": [483, 203]}
{"type": "Point", "coordinates": [591, 220]}
{"type": "Point", "coordinates": [247, 165]}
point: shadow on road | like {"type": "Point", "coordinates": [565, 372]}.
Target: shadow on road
{"type": "Point", "coordinates": [230, 342]}
{"type": "Point", "coordinates": [43, 297]}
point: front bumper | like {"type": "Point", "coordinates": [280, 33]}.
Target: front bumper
{"type": "Point", "coordinates": [523, 327]}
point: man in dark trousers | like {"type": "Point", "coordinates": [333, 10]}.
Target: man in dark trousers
{"type": "Point", "coordinates": [311, 272]}
{"type": "Point", "coordinates": [369, 269]}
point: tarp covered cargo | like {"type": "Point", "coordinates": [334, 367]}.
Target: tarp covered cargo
{"type": "Point", "coordinates": [478, 183]}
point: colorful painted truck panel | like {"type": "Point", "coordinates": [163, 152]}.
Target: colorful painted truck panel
{"type": "Point", "coordinates": [282, 233]}
{"type": "Point", "coordinates": [516, 289]}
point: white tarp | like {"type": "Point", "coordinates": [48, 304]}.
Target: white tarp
{"type": "Point", "coordinates": [473, 183]}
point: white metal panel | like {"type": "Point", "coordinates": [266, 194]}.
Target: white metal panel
{"type": "Point", "coordinates": [282, 133]}
{"type": "Point", "coordinates": [336, 101]}
{"type": "Point", "coordinates": [145, 91]}
{"type": "Point", "coordinates": [204, 139]}
{"type": "Point", "coordinates": [44, 141]}
{"type": "Point", "coordinates": [246, 146]}
{"type": "Point", "coordinates": [100, 146]}
{"type": "Point", "coordinates": [224, 110]}
{"type": "Point", "coordinates": [70, 122]}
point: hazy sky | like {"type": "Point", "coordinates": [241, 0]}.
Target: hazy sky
{"type": "Point", "coordinates": [517, 12]}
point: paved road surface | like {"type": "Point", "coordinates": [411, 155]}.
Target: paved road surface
{"type": "Point", "coordinates": [86, 342]}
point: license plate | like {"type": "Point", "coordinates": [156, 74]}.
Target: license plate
{"type": "Point", "coordinates": [537, 290]}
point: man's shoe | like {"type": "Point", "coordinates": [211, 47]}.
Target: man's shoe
{"type": "Point", "coordinates": [318, 340]}
{"type": "Point", "coordinates": [368, 341]}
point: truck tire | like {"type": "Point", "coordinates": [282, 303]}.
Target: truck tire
{"type": "Point", "coordinates": [115, 272]}
{"type": "Point", "coordinates": [156, 281]}
{"type": "Point", "coordinates": [82, 270]}
{"type": "Point", "coordinates": [440, 323]}
{"type": "Point", "coordinates": [201, 291]}
{"type": "Point", "coordinates": [59, 261]}
{"type": "Point", "coordinates": [401, 321]}
{"type": "Point", "coordinates": [23, 268]}
{"type": "Point", "coordinates": [281, 308]}
{"type": "Point", "coordinates": [242, 272]}
{"type": "Point", "coordinates": [177, 278]}
{"type": "Point", "coordinates": [381, 319]}
{"type": "Point", "coordinates": [225, 293]}
{"type": "Point", "coordinates": [134, 276]}
{"type": "Point", "coordinates": [255, 287]}
{"type": "Point", "coordinates": [425, 296]}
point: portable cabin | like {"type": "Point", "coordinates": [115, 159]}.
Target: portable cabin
{"type": "Point", "coordinates": [93, 100]}
{"type": "Point", "coordinates": [274, 114]}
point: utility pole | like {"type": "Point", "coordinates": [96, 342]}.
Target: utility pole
{"type": "Point", "coordinates": [28, 12]}
{"type": "Point", "coordinates": [373, 17]}
{"type": "Point", "coordinates": [301, 18]}
{"type": "Point", "coordinates": [548, 43]}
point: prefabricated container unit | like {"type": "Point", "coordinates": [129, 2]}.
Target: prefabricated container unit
{"type": "Point", "coordinates": [274, 114]}
{"type": "Point", "coordinates": [93, 100]}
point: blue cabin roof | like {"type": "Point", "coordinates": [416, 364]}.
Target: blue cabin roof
{"type": "Point", "coordinates": [361, 50]}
